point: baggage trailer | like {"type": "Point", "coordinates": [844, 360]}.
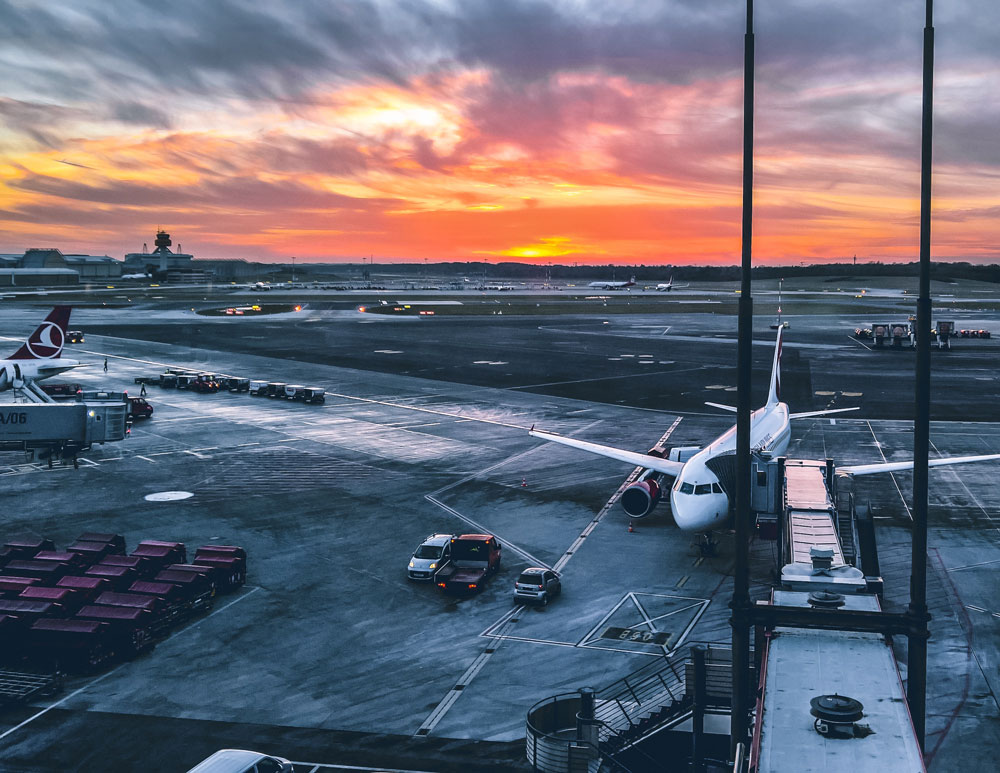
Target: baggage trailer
{"type": "Point", "coordinates": [233, 570]}
{"type": "Point", "coordinates": [159, 555]}
{"type": "Point", "coordinates": [11, 587]}
{"type": "Point", "coordinates": [89, 587]}
{"type": "Point", "coordinates": [46, 571]}
{"type": "Point", "coordinates": [27, 547]}
{"type": "Point", "coordinates": [144, 567]}
{"type": "Point", "coordinates": [176, 606]}
{"type": "Point", "coordinates": [197, 590]}
{"type": "Point", "coordinates": [132, 627]}
{"type": "Point", "coordinates": [177, 547]}
{"type": "Point", "coordinates": [68, 598]}
{"type": "Point", "coordinates": [71, 645]}
{"type": "Point", "coordinates": [120, 577]}
{"type": "Point", "coordinates": [117, 541]}
{"type": "Point", "coordinates": [93, 552]}
{"type": "Point", "coordinates": [77, 561]}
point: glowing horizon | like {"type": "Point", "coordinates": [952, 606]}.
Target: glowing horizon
{"type": "Point", "coordinates": [524, 131]}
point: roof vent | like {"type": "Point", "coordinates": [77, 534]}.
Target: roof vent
{"type": "Point", "coordinates": [822, 558]}
{"type": "Point", "coordinates": [836, 716]}
{"type": "Point", "coordinates": [825, 599]}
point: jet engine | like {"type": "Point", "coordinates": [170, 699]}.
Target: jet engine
{"type": "Point", "coordinates": [639, 499]}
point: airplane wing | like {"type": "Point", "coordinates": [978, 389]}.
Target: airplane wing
{"type": "Point", "coordinates": [807, 414]}
{"type": "Point", "coordinates": [667, 467]}
{"type": "Point", "coordinates": [871, 469]}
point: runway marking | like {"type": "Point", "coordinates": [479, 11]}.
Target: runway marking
{"type": "Point", "coordinates": [967, 490]}
{"type": "Point", "coordinates": [878, 445]}
{"type": "Point", "coordinates": [852, 338]}
{"type": "Point", "coordinates": [644, 374]}
{"type": "Point", "coordinates": [437, 714]}
{"type": "Point", "coordinates": [146, 458]}
{"type": "Point", "coordinates": [973, 566]}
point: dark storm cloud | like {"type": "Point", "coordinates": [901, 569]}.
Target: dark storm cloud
{"type": "Point", "coordinates": [230, 193]}
{"type": "Point", "coordinates": [138, 113]}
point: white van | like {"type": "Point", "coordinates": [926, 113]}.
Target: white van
{"type": "Point", "coordinates": [242, 761]}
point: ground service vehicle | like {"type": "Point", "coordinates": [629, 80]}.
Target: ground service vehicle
{"type": "Point", "coordinates": [537, 584]}
{"type": "Point", "coordinates": [295, 392]}
{"type": "Point", "coordinates": [75, 336]}
{"type": "Point", "coordinates": [168, 381]}
{"type": "Point", "coordinates": [241, 761]}
{"type": "Point", "coordinates": [432, 554]}
{"type": "Point", "coordinates": [204, 385]}
{"type": "Point", "coordinates": [474, 557]}
{"type": "Point", "coordinates": [234, 384]}
{"type": "Point", "coordinates": [314, 395]}
{"type": "Point", "coordinates": [185, 380]}
{"type": "Point", "coordinates": [258, 388]}
{"type": "Point", "coordinates": [138, 408]}
{"type": "Point", "coordinates": [276, 389]}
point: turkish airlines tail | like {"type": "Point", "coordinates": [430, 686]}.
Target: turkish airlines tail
{"type": "Point", "coordinates": [46, 343]}
{"type": "Point", "coordinates": [774, 395]}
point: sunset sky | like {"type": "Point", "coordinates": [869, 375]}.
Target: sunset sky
{"type": "Point", "coordinates": [579, 131]}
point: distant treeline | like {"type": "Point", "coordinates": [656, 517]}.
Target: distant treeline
{"type": "Point", "coordinates": [534, 272]}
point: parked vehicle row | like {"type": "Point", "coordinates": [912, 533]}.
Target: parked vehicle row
{"type": "Point", "coordinates": [211, 382]}
{"type": "Point", "coordinates": [462, 564]}
{"type": "Point", "coordinates": [79, 608]}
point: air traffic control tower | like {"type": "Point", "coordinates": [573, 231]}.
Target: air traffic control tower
{"type": "Point", "coordinates": [162, 258]}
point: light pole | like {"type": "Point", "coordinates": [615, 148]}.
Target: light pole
{"type": "Point", "coordinates": [293, 268]}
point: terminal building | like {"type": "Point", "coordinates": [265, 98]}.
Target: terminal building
{"type": "Point", "coordinates": [46, 266]}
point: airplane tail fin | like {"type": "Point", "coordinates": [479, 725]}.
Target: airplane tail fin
{"type": "Point", "coordinates": [46, 343]}
{"type": "Point", "coordinates": [774, 395]}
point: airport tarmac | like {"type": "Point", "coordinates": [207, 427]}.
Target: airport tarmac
{"type": "Point", "coordinates": [329, 655]}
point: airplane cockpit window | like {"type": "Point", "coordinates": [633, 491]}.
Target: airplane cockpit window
{"type": "Point", "coordinates": [687, 488]}
{"type": "Point", "coordinates": [703, 488]}
{"type": "Point", "coordinates": [717, 489]}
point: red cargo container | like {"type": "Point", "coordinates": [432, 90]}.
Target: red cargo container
{"type": "Point", "coordinates": [152, 604]}
{"type": "Point", "coordinates": [90, 587]}
{"type": "Point", "coordinates": [92, 551]}
{"type": "Point", "coordinates": [225, 551]}
{"type": "Point", "coordinates": [48, 571]}
{"type": "Point", "coordinates": [116, 541]}
{"type": "Point", "coordinates": [76, 560]}
{"type": "Point", "coordinates": [120, 577]}
{"type": "Point", "coordinates": [160, 555]}
{"type": "Point", "coordinates": [69, 599]}
{"type": "Point", "coordinates": [26, 547]}
{"type": "Point", "coordinates": [197, 590]}
{"type": "Point", "coordinates": [31, 609]}
{"type": "Point", "coordinates": [71, 645]}
{"type": "Point", "coordinates": [177, 546]}
{"type": "Point", "coordinates": [234, 570]}
{"type": "Point", "coordinates": [142, 565]}
{"type": "Point", "coordinates": [15, 585]}
{"type": "Point", "coordinates": [214, 575]}
{"type": "Point", "coordinates": [131, 625]}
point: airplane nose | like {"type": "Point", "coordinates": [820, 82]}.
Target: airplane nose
{"type": "Point", "coordinates": [698, 513]}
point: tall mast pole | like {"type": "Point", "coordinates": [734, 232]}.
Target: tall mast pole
{"type": "Point", "coordinates": [916, 651]}
{"type": "Point", "coordinates": [740, 603]}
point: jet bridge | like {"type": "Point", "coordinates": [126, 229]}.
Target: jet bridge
{"type": "Point", "coordinates": [826, 541]}
{"type": "Point", "coordinates": [61, 429]}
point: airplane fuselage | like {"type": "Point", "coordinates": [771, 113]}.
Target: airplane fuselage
{"type": "Point", "coordinates": [19, 371]}
{"type": "Point", "coordinates": [697, 499]}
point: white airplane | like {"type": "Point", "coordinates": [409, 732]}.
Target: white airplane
{"type": "Point", "coordinates": [40, 355]}
{"type": "Point", "coordinates": [612, 285]}
{"type": "Point", "coordinates": [698, 501]}
{"type": "Point", "coordinates": [668, 285]}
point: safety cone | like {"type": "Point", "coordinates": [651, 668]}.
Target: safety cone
{"type": "Point", "coordinates": [630, 529]}
{"type": "Point", "coordinates": [524, 482]}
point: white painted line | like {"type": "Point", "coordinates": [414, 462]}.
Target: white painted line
{"type": "Point", "coordinates": [73, 694]}
{"type": "Point", "coordinates": [878, 445]}
{"type": "Point", "coordinates": [138, 456]}
{"type": "Point", "coordinates": [482, 529]}
{"type": "Point", "coordinates": [974, 608]}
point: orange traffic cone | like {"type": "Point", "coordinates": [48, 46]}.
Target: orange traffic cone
{"type": "Point", "coordinates": [630, 529]}
{"type": "Point", "coordinates": [524, 482]}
